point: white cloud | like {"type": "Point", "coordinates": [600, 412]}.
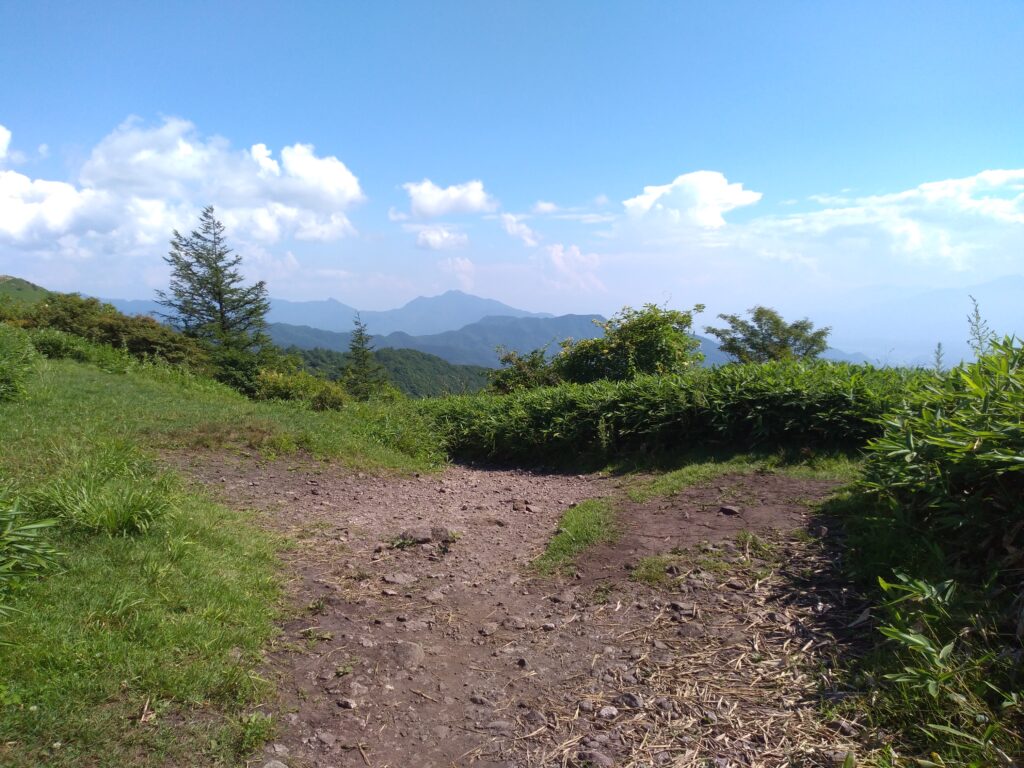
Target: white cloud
{"type": "Point", "coordinates": [697, 199]}
{"type": "Point", "coordinates": [5, 141]}
{"type": "Point", "coordinates": [427, 200]}
{"type": "Point", "coordinates": [516, 228]}
{"type": "Point", "coordinates": [439, 237]}
{"type": "Point", "coordinates": [955, 221]}
{"type": "Point", "coordinates": [574, 270]}
{"type": "Point", "coordinates": [543, 206]}
{"type": "Point", "coordinates": [463, 269]}
{"type": "Point", "coordinates": [44, 151]}
{"type": "Point", "coordinates": [141, 182]}
{"type": "Point", "coordinates": [263, 157]}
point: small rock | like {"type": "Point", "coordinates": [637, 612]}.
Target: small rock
{"type": "Point", "coordinates": [403, 579]}
{"type": "Point", "coordinates": [630, 701]}
{"type": "Point", "coordinates": [595, 759]}
{"type": "Point", "coordinates": [326, 738]}
{"type": "Point", "coordinates": [415, 535]}
{"type": "Point", "coordinates": [568, 597]}
{"type": "Point", "coordinates": [481, 701]}
{"type": "Point", "coordinates": [434, 596]}
{"type": "Point", "coordinates": [585, 705]}
{"type": "Point", "coordinates": [608, 712]}
{"type": "Point", "coordinates": [519, 505]}
{"type": "Point", "coordinates": [389, 593]}
{"type": "Point", "coordinates": [347, 703]}
{"type": "Point", "coordinates": [548, 627]}
{"type": "Point", "coordinates": [735, 584]}
{"type": "Point", "coordinates": [729, 510]}
{"type": "Point", "coordinates": [274, 764]}
{"type": "Point", "coordinates": [488, 629]}
{"type": "Point", "coordinates": [407, 655]}
{"type": "Point", "coordinates": [514, 622]}
{"type": "Point", "coordinates": [279, 749]}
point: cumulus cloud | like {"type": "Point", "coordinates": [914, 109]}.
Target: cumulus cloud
{"type": "Point", "coordinates": [439, 237]}
{"type": "Point", "coordinates": [954, 221]}
{"type": "Point", "coordinates": [428, 200]}
{"type": "Point", "coordinates": [697, 199]}
{"type": "Point", "coordinates": [516, 228]}
{"type": "Point", "coordinates": [143, 181]}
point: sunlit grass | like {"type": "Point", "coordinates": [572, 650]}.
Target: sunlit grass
{"type": "Point", "coordinates": [588, 523]}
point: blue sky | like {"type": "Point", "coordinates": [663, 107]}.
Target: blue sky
{"type": "Point", "coordinates": [558, 156]}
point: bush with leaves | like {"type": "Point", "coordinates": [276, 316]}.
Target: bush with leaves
{"type": "Point", "coordinates": [522, 371]}
{"type": "Point", "coordinates": [742, 406]}
{"type": "Point", "coordinates": [651, 340]}
{"type": "Point", "coordinates": [952, 461]}
{"type": "Point", "coordinates": [140, 336]}
{"type": "Point", "coordinates": [318, 393]}
{"type": "Point", "coordinates": [766, 336]}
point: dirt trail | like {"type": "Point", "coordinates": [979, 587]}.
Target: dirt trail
{"type": "Point", "coordinates": [446, 650]}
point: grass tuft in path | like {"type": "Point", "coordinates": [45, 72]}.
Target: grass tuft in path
{"type": "Point", "coordinates": [588, 523]}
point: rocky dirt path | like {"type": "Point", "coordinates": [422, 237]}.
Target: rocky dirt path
{"type": "Point", "coordinates": [422, 637]}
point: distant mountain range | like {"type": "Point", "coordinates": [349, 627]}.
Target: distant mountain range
{"type": "Point", "coordinates": [457, 327]}
{"type": "Point", "coordinates": [423, 316]}
{"type": "Point", "coordinates": [473, 344]}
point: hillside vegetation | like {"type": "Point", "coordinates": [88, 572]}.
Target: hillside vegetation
{"type": "Point", "coordinates": [128, 596]}
{"type": "Point", "coordinates": [417, 374]}
{"type": "Point", "coordinates": [16, 290]}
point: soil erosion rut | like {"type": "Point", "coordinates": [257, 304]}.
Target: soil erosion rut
{"type": "Point", "coordinates": [420, 636]}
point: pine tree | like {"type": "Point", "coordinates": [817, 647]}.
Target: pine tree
{"type": "Point", "coordinates": [206, 298]}
{"type": "Point", "coordinates": [364, 376]}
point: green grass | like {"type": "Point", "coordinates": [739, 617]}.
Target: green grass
{"type": "Point", "coordinates": [699, 468]}
{"type": "Point", "coordinates": [141, 645]}
{"type": "Point", "coordinates": [653, 570]}
{"type": "Point", "coordinates": [161, 408]}
{"type": "Point", "coordinates": [588, 523]}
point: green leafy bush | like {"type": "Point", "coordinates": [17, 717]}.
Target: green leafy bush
{"type": "Point", "coordinates": [942, 499]}
{"type": "Point", "coordinates": [742, 406]}
{"type": "Point", "coordinates": [952, 461]}
{"type": "Point", "coordinates": [320, 394]}
{"type": "Point", "coordinates": [17, 356]}
{"type": "Point", "coordinates": [140, 336]}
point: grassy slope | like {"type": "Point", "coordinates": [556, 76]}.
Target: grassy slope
{"type": "Point", "coordinates": [164, 626]}
{"type": "Point", "coordinates": [16, 289]}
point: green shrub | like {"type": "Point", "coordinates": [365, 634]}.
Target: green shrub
{"type": "Point", "coordinates": [829, 405]}
{"type": "Point", "coordinates": [17, 357]}
{"type": "Point", "coordinates": [140, 336]}
{"type": "Point", "coordinates": [320, 394]}
{"type": "Point", "coordinates": [951, 462]}
{"type": "Point", "coordinates": [60, 345]}
{"type": "Point", "coordinates": [938, 525]}
{"type": "Point", "coordinates": [111, 489]}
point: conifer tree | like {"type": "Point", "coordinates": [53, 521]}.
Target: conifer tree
{"type": "Point", "coordinates": [364, 376]}
{"type": "Point", "coordinates": [206, 298]}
